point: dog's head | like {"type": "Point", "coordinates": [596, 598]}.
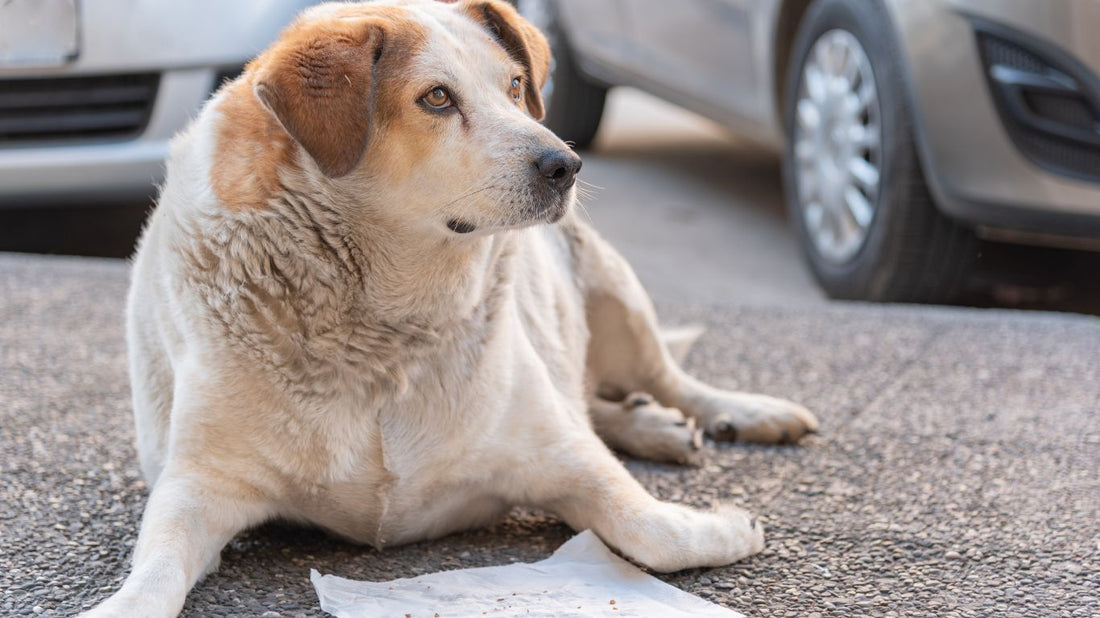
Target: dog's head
{"type": "Point", "coordinates": [428, 109]}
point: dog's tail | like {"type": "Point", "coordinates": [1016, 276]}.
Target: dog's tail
{"type": "Point", "coordinates": [679, 340]}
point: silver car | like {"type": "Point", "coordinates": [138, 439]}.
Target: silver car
{"type": "Point", "coordinates": [92, 90]}
{"type": "Point", "coordinates": [908, 128]}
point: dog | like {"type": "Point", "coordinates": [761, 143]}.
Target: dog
{"type": "Point", "coordinates": [363, 303]}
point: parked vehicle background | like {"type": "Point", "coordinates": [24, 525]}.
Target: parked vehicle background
{"type": "Point", "coordinates": [908, 130]}
{"type": "Point", "coordinates": [92, 90]}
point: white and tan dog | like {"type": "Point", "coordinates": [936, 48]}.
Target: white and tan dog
{"type": "Point", "coordinates": [349, 310]}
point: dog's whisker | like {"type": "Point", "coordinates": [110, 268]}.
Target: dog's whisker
{"type": "Point", "coordinates": [584, 193]}
{"type": "Point", "coordinates": [469, 194]}
{"type": "Point", "coordinates": [584, 210]}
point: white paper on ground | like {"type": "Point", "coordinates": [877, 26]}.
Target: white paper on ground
{"type": "Point", "coordinates": [582, 578]}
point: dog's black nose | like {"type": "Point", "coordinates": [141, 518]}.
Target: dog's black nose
{"type": "Point", "coordinates": [559, 168]}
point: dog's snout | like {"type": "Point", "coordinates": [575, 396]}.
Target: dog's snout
{"type": "Point", "coordinates": [559, 167]}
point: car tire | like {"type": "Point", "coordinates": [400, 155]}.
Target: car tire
{"type": "Point", "coordinates": [574, 103]}
{"type": "Point", "coordinates": [906, 250]}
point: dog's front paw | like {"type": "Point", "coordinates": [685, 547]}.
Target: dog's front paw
{"type": "Point", "coordinates": [711, 538]}
{"type": "Point", "coordinates": [119, 606]}
{"type": "Point", "coordinates": [746, 417]}
{"type": "Point", "coordinates": [136, 601]}
{"type": "Point", "coordinates": [750, 530]}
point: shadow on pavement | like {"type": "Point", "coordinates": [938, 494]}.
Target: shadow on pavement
{"type": "Point", "coordinates": [96, 230]}
{"type": "Point", "coordinates": [1041, 278]}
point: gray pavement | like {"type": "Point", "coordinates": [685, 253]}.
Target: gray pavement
{"type": "Point", "coordinates": [956, 473]}
{"type": "Point", "coordinates": [699, 214]}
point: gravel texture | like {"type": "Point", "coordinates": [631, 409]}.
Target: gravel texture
{"type": "Point", "coordinates": [957, 472]}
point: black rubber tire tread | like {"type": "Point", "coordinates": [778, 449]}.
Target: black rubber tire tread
{"type": "Point", "coordinates": [913, 252]}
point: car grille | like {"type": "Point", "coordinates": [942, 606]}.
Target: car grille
{"type": "Point", "coordinates": [75, 108]}
{"type": "Point", "coordinates": [1048, 101]}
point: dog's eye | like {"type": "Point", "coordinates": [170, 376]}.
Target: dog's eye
{"type": "Point", "coordinates": [437, 98]}
{"type": "Point", "coordinates": [517, 91]}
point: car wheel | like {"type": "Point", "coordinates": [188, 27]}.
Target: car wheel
{"type": "Point", "coordinates": [574, 104]}
{"type": "Point", "coordinates": [855, 190]}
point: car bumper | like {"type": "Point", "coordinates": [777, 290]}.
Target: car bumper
{"type": "Point", "coordinates": [977, 172]}
{"type": "Point", "coordinates": [103, 170]}
{"type": "Point", "coordinates": [181, 47]}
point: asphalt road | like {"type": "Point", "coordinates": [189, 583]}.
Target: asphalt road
{"type": "Point", "coordinates": [956, 473]}
{"type": "Point", "coordinates": [699, 215]}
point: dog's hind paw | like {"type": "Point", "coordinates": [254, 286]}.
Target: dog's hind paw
{"type": "Point", "coordinates": [641, 427]}
{"type": "Point", "coordinates": [747, 417]}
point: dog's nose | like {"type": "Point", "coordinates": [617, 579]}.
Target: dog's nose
{"type": "Point", "coordinates": [559, 167]}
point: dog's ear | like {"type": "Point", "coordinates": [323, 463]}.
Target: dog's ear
{"type": "Point", "coordinates": [317, 83]}
{"type": "Point", "coordinates": [523, 42]}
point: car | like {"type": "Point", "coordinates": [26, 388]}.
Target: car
{"type": "Point", "coordinates": [91, 91]}
{"type": "Point", "coordinates": [908, 130]}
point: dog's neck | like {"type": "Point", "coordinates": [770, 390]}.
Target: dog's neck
{"type": "Point", "coordinates": [443, 280]}
{"type": "Point", "coordinates": [326, 292]}
{"type": "Point", "coordinates": [399, 273]}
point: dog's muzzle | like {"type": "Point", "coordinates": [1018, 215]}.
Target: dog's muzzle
{"type": "Point", "coordinates": [558, 168]}
{"type": "Point", "coordinates": [555, 173]}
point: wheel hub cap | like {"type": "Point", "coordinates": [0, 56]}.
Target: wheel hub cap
{"type": "Point", "coordinates": [837, 146]}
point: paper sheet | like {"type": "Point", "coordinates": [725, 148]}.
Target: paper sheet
{"type": "Point", "coordinates": [582, 578]}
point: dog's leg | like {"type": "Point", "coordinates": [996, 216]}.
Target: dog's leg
{"type": "Point", "coordinates": [188, 520]}
{"type": "Point", "coordinates": [641, 427]}
{"type": "Point", "coordinates": [590, 489]}
{"type": "Point", "coordinates": [626, 354]}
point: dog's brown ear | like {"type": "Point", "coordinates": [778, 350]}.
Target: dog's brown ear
{"type": "Point", "coordinates": [317, 82]}
{"type": "Point", "coordinates": [523, 42]}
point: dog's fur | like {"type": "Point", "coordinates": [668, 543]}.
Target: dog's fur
{"type": "Point", "coordinates": [349, 310]}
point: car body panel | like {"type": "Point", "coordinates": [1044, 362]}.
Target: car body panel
{"type": "Point", "coordinates": [188, 43]}
{"type": "Point", "coordinates": [101, 171]}
{"type": "Point", "coordinates": [658, 46]}
{"type": "Point", "coordinates": [598, 30]}
{"type": "Point", "coordinates": [122, 36]}
{"type": "Point", "coordinates": [975, 172]}
{"type": "Point", "coordinates": [704, 48]}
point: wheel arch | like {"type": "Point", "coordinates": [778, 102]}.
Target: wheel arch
{"type": "Point", "coordinates": [789, 19]}
{"type": "Point", "coordinates": [913, 271]}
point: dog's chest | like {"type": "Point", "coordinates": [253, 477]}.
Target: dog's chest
{"type": "Point", "coordinates": [416, 439]}
{"type": "Point", "coordinates": [394, 449]}
{"type": "Point", "coordinates": [406, 471]}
